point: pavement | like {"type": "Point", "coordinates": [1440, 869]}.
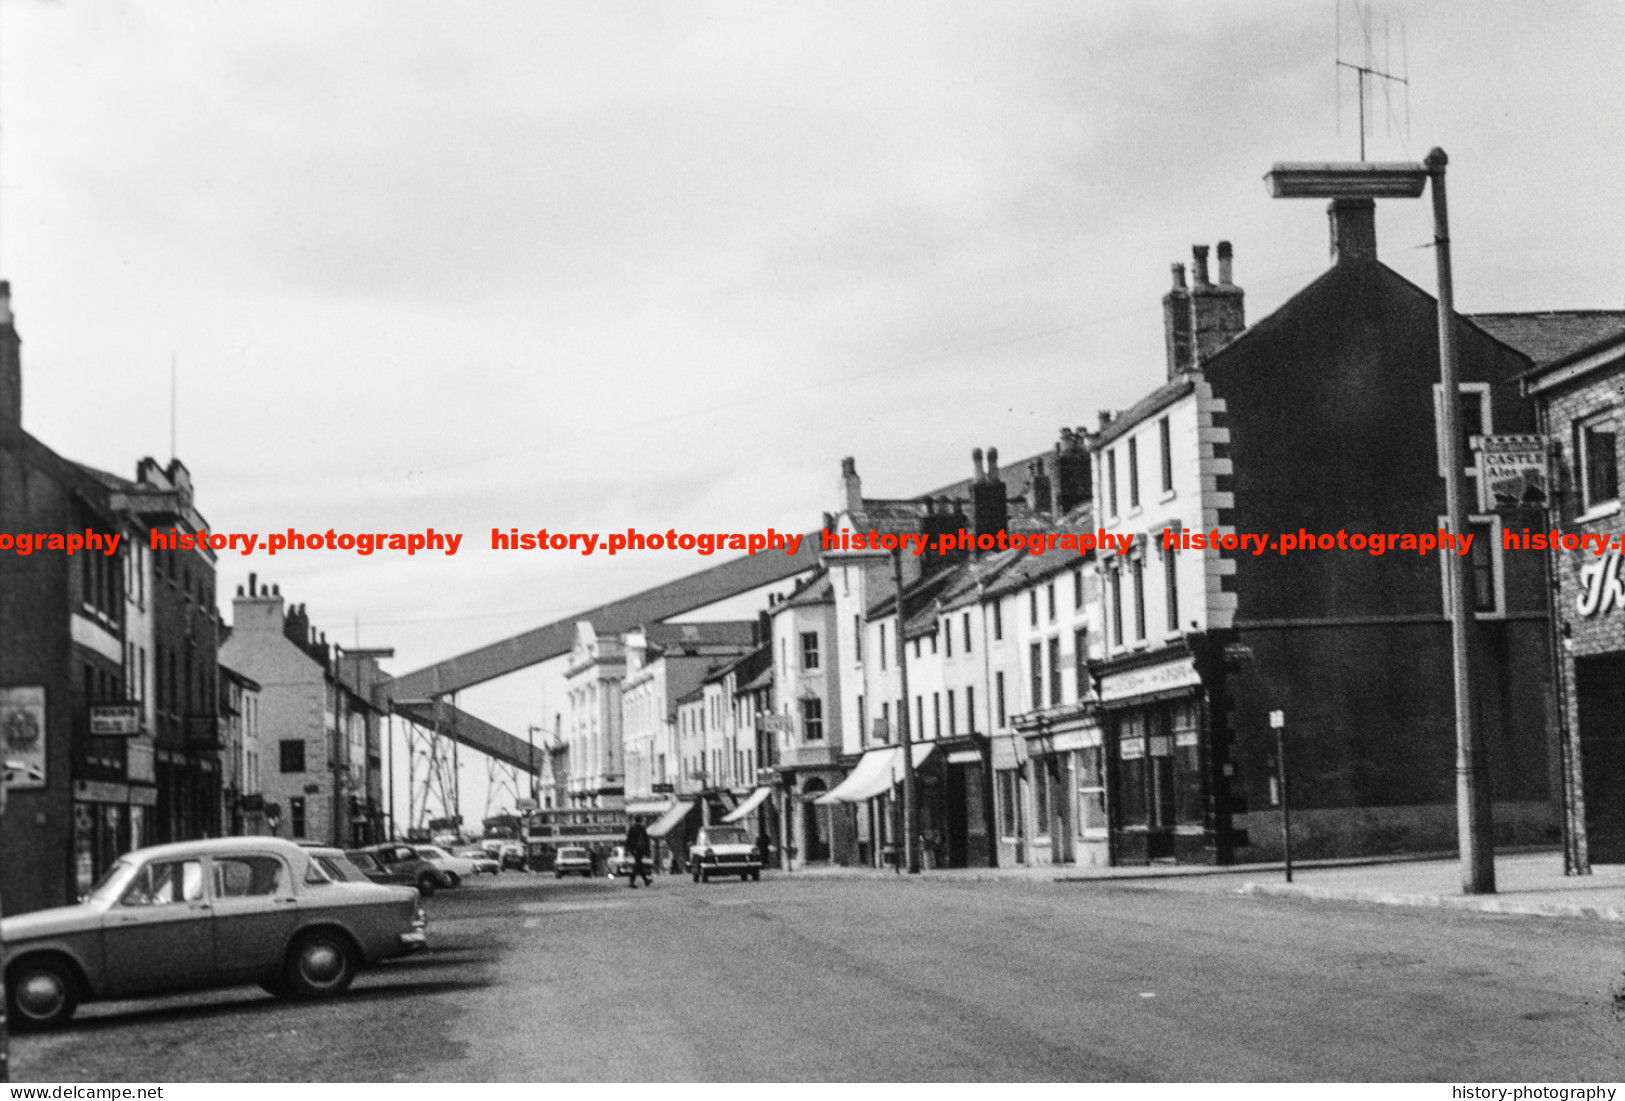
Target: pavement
{"type": "Point", "coordinates": [1528, 883]}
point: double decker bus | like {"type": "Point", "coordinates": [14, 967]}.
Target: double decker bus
{"type": "Point", "coordinates": [597, 829]}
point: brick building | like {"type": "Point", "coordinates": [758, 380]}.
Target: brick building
{"type": "Point", "coordinates": [1582, 419]}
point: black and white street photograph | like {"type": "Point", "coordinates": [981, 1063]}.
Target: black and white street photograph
{"type": "Point", "coordinates": [685, 541]}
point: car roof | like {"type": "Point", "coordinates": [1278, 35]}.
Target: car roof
{"type": "Point", "coordinates": [222, 846]}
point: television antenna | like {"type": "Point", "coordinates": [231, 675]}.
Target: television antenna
{"type": "Point", "coordinates": [1367, 69]}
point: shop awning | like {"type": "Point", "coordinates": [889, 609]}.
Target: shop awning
{"type": "Point", "coordinates": [669, 820]}
{"type": "Point", "coordinates": [757, 798]}
{"type": "Point", "coordinates": [876, 773]}
{"type": "Point", "coordinates": [649, 807]}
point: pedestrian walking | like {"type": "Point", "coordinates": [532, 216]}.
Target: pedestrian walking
{"type": "Point", "coordinates": [637, 847]}
{"type": "Point", "coordinates": [764, 845]}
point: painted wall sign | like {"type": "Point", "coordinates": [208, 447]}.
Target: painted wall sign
{"type": "Point", "coordinates": [22, 736]}
{"type": "Point", "coordinates": [1512, 472]}
{"type": "Point", "coordinates": [1601, 587]}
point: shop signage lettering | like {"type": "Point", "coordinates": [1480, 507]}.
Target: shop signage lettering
{"type": "Point", "coordinates": [115, 719]}
{"type": "Point", "coordinates": [1601, 587]}
{"type": "Point", "coordinates": [1512, 472]}
{"type": "Point", "coordinates": [1157, 678]}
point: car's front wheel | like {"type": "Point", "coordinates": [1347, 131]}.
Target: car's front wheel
{"type": "Point", "coordinates": [41, 993]}
{"type": "Point", "coordinates": [453, 879]}
{"type": "Point", "coordinates": [426, 885]}
{"type": "Point", "coordinates": [320, 964]}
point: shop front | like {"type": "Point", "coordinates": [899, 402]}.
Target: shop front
{"type": "Point", "coordinates": [1067, 767]}
{"type": "Point", "coordinates": [1155, 762]}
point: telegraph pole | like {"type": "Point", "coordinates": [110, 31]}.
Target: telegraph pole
{"type": "Point", "coordinates": [1474, 825]}
{"type": "Point", "coordinates": [909, 825]}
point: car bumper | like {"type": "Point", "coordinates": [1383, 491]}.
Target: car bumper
{"type": "Point", "coordinates": [415, 941]}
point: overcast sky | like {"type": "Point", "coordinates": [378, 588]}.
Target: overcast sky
{"type": "Point", "coordinates": [586, 266]}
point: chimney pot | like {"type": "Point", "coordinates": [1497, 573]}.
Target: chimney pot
{"type": "Point", "coordinates": [976, 464]}
{"type": "Point", "coordinates": [1199, 265]}
{"type": "Point", "coordinates": [1224, 263]}
{"type": "Point", "coordinates": [1178, 271]}
{"type": "Point", "coordinates": [993, 464]}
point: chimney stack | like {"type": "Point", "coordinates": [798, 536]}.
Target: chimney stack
{"type": "Point", "coordinates": [989, 507]}
{"type": "Point", "coordinates": [1176, 323]}
{"type": "Point", "coordinates": [1217, 309]}
{"type": "Point", "coordinates": [1072, 483]}
{"type": "Point", "coordinates": [1041, 498]}
{"type": "Point", "coordinates": [1353, 229]}
{"type": "Point", "coordinates": [976, 464]}
{"type": "Point", "coordinates": [11, 373]}
{"type": "Point", "coordinates": [851, 486]}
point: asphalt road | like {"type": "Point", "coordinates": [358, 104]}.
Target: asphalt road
{"type": "Point", "coordinates": [802, 978]}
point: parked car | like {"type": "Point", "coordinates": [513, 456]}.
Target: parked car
{"type": "Point", "coordinates": [396, 863]}
{"type": "Point", "coordinates": [513, 855]}
{"type": "Point", "coordinates": [572, 860]}
{"type": "Point", "coordinates": [619, 862]}
{"type": "Point", "coordinates": [724, 850]}
{"type": "Point", "coordinates": [202, 914]}
{"type": "Point", "coordinates": [484, 862]}
{"type": "Point", "coordinates": [457, 868]}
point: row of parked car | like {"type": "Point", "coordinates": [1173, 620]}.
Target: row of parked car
{"type": "Point", "coordinates": [430, 868]}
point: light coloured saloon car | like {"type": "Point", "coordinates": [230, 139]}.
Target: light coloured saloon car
{"type": "Point", "coordinates": [204, 914]}
{"type": "Point", "coordinates": [724, 850]}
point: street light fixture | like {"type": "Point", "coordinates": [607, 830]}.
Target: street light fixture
{"type": "Point", "coordinates": [1363, 179]}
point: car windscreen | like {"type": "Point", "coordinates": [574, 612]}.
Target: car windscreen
{"type": "Point", "coordinates": [111, 884]}
{"type": "Point", "coordinates": [726, 837]}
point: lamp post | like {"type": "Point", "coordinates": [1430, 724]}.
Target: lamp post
{"type": "Point", "coordinates": [1406, 180]}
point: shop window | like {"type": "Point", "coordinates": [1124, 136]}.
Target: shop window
{"type": "Point", "coordinates": [1598, 454]}
{"type": "Point", "coordinates": [1131, 768]}
{"type": "Point", "coordinates": [1008, 788]}
{"type": "Point", "coordinates": [1041, 798]}
{"type": "Point", "coordinates": [1184, 718]}
{"type": "Point", "coordinates": [1091, 790]}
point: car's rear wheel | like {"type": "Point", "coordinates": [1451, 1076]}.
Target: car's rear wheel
{"type": "Point", "coordinates": [756, 877]}
{"type": "Point", "coordinates": [41, 993]}
{"type": "Point", "coordinates": [426, 885]}
{"type": "Point", "coordinates": [453, 879]}
{"type": "Point", "coordinates": [320, 964]}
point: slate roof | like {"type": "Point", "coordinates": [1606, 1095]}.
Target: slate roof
{"type": "Point", "coordinates": [1548, 335]}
